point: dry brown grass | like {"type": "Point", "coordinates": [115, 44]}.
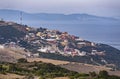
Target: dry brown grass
{"type": "Point", "coordinates": [11, 76]}
{"type": "Point", "coordinates": [114, 73]}
{"type": "Point", "coordinates": [61, 78]}
{"type": "Point", "coordinates": [10, 55]}
{"type": "Point", "coordinates": [55, 62]}
{"type": "Point", "coordinates": [14, 76]}
{"type": "Point", "coordinates": [84, 68]}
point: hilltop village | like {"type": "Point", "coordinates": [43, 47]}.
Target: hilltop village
{"type": "Point", "coordinates": [47, 41]}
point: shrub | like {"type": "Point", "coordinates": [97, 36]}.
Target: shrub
{"type": "Point", "coordinates": [22, 60]}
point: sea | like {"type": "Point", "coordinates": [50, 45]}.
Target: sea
{"type": "Point", "coordinates": [106, 32]}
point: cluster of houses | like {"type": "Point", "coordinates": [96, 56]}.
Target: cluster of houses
{"type": "Point", "coordinates": [53, 39]}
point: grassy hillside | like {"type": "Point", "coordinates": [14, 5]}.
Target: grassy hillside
{"type": "Point", "coordinates": [47, 71]}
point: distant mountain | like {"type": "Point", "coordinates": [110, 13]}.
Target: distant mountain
{"type": "Point", "coordinates": [15, 16]}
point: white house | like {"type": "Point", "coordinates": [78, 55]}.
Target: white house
{"type": "Point", "coordinates": [36, 55]}
{"type": "Point", "coordinates": [83, 53]}
{"type": "Point", "coordinates": [1, 47]}
{"type": "Point", "coordinates": [79, 39]}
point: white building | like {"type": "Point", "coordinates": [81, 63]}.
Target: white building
{"type": "Point", "coordinates": [93, 52]}
{"type": "Point", "coordinates": [83, 53]}
{"type": "Point", "coordinates": [79, 39]}
{"type": "Point", "coordinates": [36, 55]}
{"type": "Point", "coordinates": [93, 44]}
{"type": "Point", "coordinates": [43, 50]}
{"type": "Point", "coordinates": [1, 47]}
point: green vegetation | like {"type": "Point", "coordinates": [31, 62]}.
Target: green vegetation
{"type": "Point", "coordinates": [47, 70]}
{"type": "Point", "coordinates": [22, 60]}
{"type": "Point", "coordinates": [8, 32]}
{"type": "Point", "coordinates": [43, 70]}
{"type": "Point", "coordinates": [81, 59]}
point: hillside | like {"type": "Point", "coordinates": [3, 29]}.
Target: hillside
{"type": "Point", "coordinates": [9, 54]}
{"type": "Point", "coordinates": [54, 44]}
{"type": "Point", "coordinates": [11, 31]}
{"type": "Point", "coordinates": [74, 66]}
{"type": "Point", "coordinates": [40, 70]}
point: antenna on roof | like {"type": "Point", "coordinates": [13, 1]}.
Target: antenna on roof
{"type": "Point", "coordinates": [21, 17]}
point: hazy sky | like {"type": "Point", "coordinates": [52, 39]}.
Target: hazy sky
{"type": "Point", "coordinates": [95, 7]}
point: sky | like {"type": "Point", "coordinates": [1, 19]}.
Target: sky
{"type": "Point", "coordinates": [94, 7]}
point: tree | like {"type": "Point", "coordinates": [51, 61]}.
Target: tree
{"type": "Point", "coordinates": [92, 74]}
{"type": "Point", "coordinates": [103, 74]}
{"type": "Point", "coordinates": [0, 67]}
{"type": "Point", "coordinates": [12, 68]}
{"type": "Point", "coordinates": [22, 60]}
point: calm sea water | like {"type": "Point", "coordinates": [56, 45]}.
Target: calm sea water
{"type": "Point", "coordinates": [99, 32]}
